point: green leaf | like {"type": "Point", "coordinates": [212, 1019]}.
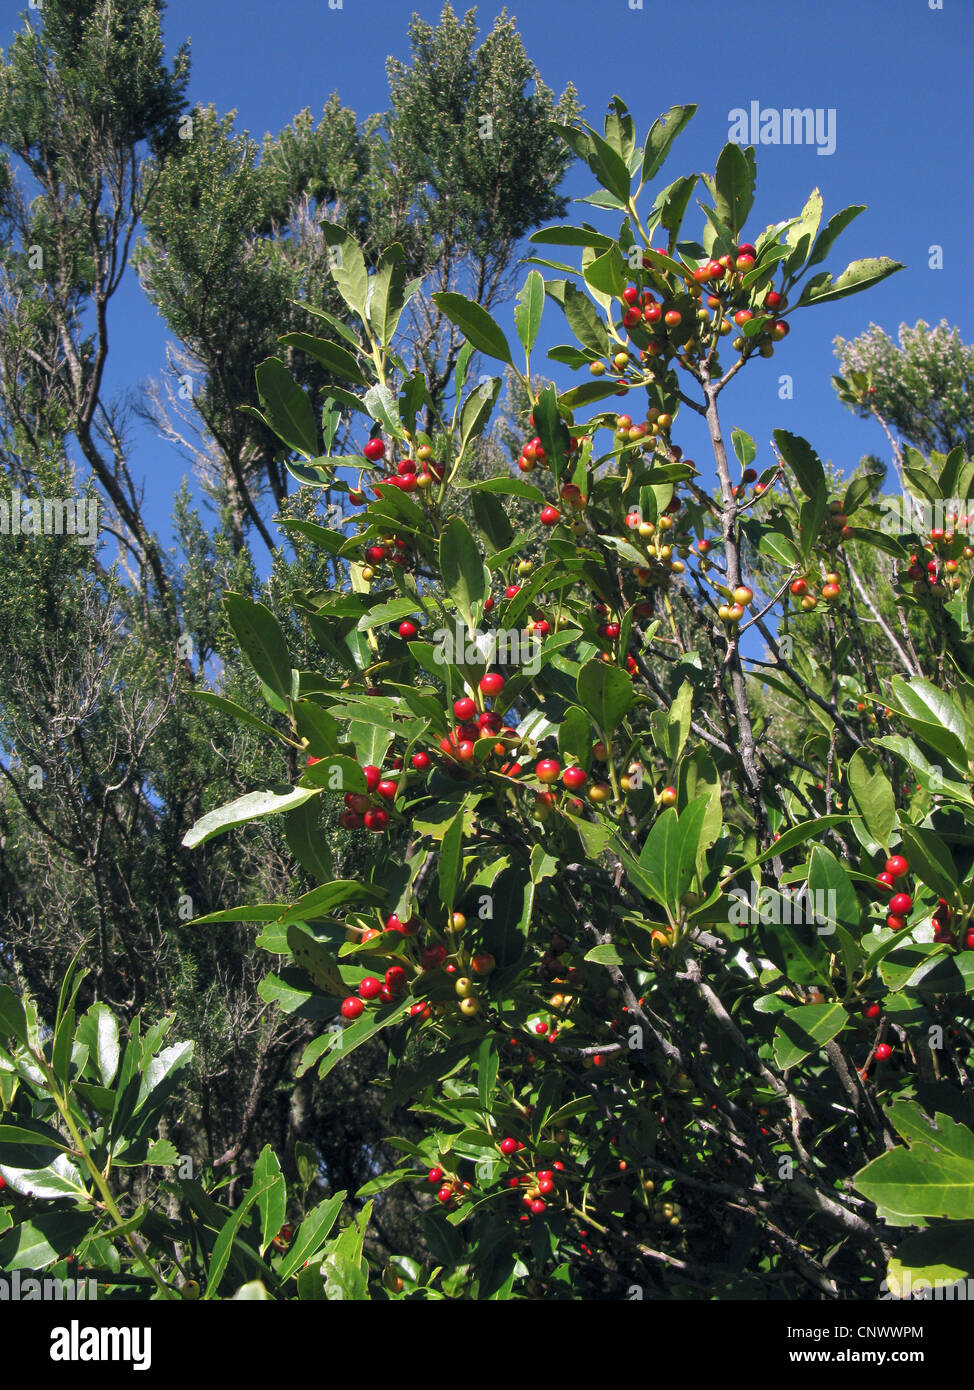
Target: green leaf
{"type": "Point", "coordinates": [805, 1029]}
{"type": "Point", "coordinates": [606, 693]}
{"type": "Point", "coordinates": [345, 1041]}
{"type": "Point", "coordinates": [835, 226]}
{"type": "Point", "coordinates": [388, 293]}
{"type": "Point", "coordinates": [872, 796]}
{"type": "Point", "coordinates": [488, 1063]}
{"type": "Point", "coordinates": [263, 642]}
{"type": "Point", "coordinates": [922, 700]}
{"type": "Point", "coordinates": [60, 1178]}
{"type": "Point", "coordinates": [608, 167]}
{"type": "Point", "coordinates": [930, 860]}
{"type": "Point", "coordinates": [449, 866]}
{"type": "Point", "coordinates": [833, 897]}
{"type": "Point", "coordinates": [607, 273]}
{"type": "Point", "coordinates": [605, 954]}
{"type": "Point", "coordinates": [668, 858]}
{"type": "Point", "coordinates": [160, 1073]}
{"type": "Point", "coordinates": [803, 461]}
{"type": "Point", "coordinates": [733, 186]}
{"type": "Point", "coordinates": [475, 324]}
{"type": "Point", "coordinates": [272, 1195]}
{"type": "Point", "coordinates": [674, 205]}
{"type": "Point", "coordinates": [266, 801]}
{"type": "Point", "coordinates": [944, 1253]}
{"type": "Point", "coordinates": [552, 430]}
{"type": "Point", "coordinates": [311, 1235]}
{"type": "Point", "coordinates": [744, 447]}
{"type": "Point", "coordinates": [261, 912]}
{"type": "Point", "coordinates": [859, 275]}
{"type": "Point", "coordinates": [236, 711]}
{"type": "Point", "coordinates": [802, 233]}
{"type": "Point", "coordinates": [585, 321]}
{"type": "Point", "coordinates": [462, 571]}
{"type": "Point", "coordinates": [795, 835]}
{"type": "Point", "coordinates": [98, 1031]}
{"type": "Point", "coordinates": [286, 407]}
{"type": "Point", "coordinates": [306, 840]}
{"type": "Point", "coordinates": [384, 407]}
{"type": "Point", "coordinates": [572, 236]}
{"type": "Point", "coordinates": [323, 900]}
{"type": "Point", "coordinates": [315, 959]}
{"type": "Point", "coordinates": [492, 520]}
{"type": "Point", "coordinates": [13, 1020]}
{"type": "Point", "coordinates": [477, 410]}
{"type": "Point", "coordinates": [48, 1236]}
{"type": "Point", "coordinates": [338, 360]}
{"type": "Point", "coordinates": [347, 265]}
{"type": "Point", "coordinates": [530, 305]}
{"type": "Point", "coordinates": [223, 1247]}
{"type": "Point", "coordinates": [699, 778]}
{"type": "Point", "coordinates": [660, 138]}
{"type": "Point", "coordinates": [934, 1177]}
{"type": "Point", "coordinates": [678, 721]}
{"type": "Point", "coordinates": [794, 947]}
{"type": "Point", "coordinates": [620, 130]}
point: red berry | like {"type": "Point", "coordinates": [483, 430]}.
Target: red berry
{"type": "Point", "coordinates": [374, 450]}
{"type": "Point", "coordinates": [550, 516]}
{"type": "Point", "coordinates": [369, 987]}
{"type": "Point", "coordinates": [420, 761]}
{"type": "Point", "coordinates": [408, 631]}
{"type": "Point", "coordinates": [574, 777]}
{"type": "Point", "coordinates": [395, 979]}
{"type": "Point", "coordinates": [537, 1206]}
{"type": "Point", "coordinates": [895, 923]}
{"type": "Point", "coordinates": [387, 790]}
{"type": "Point", "coordinates": [406, 466]}
{"type": "Point", "coordinates": [883, 1051]}
{"type": "Point", "coordinates": [630, 294]}
{"type": "Point", "coordinates": [548, 770]}
{"type": "Point", "coordinates": [375, 554]}
{"type": "Point", "coordinates": [432, 957]}
{"type": "Point", "coordinates": [872, 1011]}
{"type": "Point", "coordinates": [489, 723]}
{"type": "Point", "coordinates": [900, 903]}
{"type": "Point", "coordinates": [512, 591]}
{"type": "Point", "coordinates": [445, 1195]}
{"type": "Point", "coordinates": [352, 1008]}
{"type": "Point", "coordinates": [492, 683]}
{"type": "Point", "coordinates": [350, 820]}
{"type": "Point", "coordinates": [508, 1146]}
{"type": "Point", "coordinates": [372, 776]}
{"type": "Point", "coordinates": [541, 1026]}
{"type": "Point", "coordinates": [897, 866]}
{"type": "Point", "coordinates": [376, 820]}
{"type": "Point", "coordinates": [885, 880]}
{"type": "Point", "coordinates": [464, 708]}
{"type": "Point", "coordinates": [434, 1174]}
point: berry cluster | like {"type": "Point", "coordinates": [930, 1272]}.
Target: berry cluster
{"type": "Point", "coordinates": [900, 904]}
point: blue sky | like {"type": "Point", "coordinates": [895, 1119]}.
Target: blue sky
{"type": "Point", "coordinates": [896, 72]}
